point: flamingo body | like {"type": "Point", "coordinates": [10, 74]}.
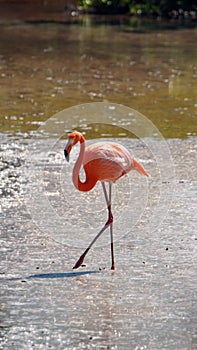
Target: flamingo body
{"type": "Point", "coordinates": [105, 162]}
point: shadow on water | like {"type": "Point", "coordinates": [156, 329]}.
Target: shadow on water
{"type": "Point", "coordinates": [125, 23]}
{"type": "Point", "coordinates": [54, 275]}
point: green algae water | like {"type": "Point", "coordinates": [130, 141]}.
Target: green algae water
{"type": "Point", "coordinates": [47, 67]}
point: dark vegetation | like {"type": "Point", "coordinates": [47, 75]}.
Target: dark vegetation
{"type": "Point", "coordinates": [163, 8]}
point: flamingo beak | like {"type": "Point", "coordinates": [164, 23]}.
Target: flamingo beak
{"type": "Point", "coordinates": [66, 154]}
{"type": "Point", "coordinates": [68, 149]}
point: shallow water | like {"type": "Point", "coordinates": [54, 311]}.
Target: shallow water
{"type": "Point", "coordinates": [149, 302]}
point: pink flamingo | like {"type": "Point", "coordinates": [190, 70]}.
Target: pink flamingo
{"type": "Point", "coordinates": [105, 162]}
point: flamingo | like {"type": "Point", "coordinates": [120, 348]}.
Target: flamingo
{"type": "Point", "coordinates": [105, 162]}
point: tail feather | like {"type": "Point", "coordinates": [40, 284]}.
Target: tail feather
{"type": "Point", "coordinates": [139, 168]}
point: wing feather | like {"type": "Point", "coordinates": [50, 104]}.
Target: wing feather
{"type": "Point", "coordinates": [112, 152]}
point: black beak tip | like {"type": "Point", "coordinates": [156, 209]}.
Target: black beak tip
{"type": "Point", "coordinates": [66, 154]}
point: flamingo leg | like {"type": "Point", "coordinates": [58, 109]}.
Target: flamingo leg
{"type": "Point", "coordinates": [108, 223]}
{"type": "Point", "coordinates": [105, 194]}
{"type": "Point", "coordinates": [111, 228]}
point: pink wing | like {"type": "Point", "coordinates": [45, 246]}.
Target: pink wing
{"type": "Point", "coordinates": [108, 160]}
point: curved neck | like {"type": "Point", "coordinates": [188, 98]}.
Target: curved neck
{"type": "Point", "coordinates": [89, 182]}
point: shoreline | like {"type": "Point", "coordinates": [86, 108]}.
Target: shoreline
{"type": "Point", "coordinates": [53, 12]}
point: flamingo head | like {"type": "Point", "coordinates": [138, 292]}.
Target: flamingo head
{"type": "Point", "coordinates": [73, 138]}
